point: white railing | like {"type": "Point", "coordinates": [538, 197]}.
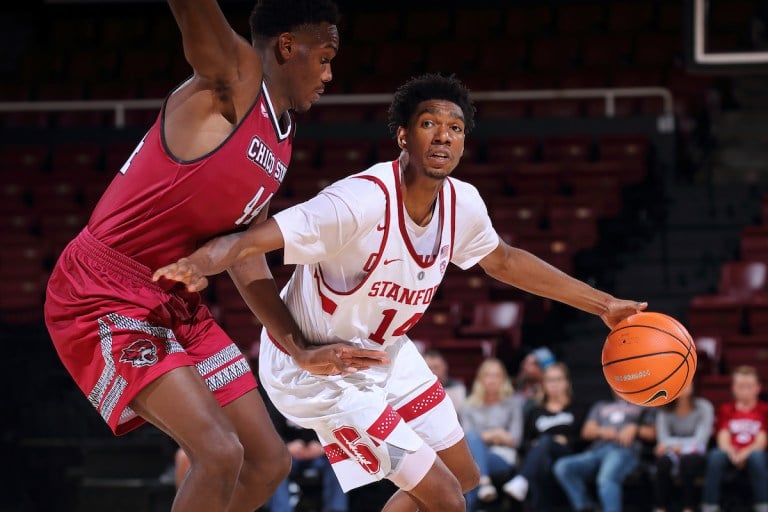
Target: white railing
{"type": "Point", "coordinates": [119, 107]}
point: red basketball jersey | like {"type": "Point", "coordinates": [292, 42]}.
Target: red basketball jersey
{"type": "Point", "coordinates": [159, 209]}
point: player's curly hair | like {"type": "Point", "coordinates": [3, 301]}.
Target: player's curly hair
{"type": "Point", "coordinates": [272, 17]}
{"type": "Point", "coordinates": [430, 86]}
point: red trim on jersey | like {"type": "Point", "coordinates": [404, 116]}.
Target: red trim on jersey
{"type": "Point", "coordinates": [422, 403]}
{"type": "Point", "coordinates": [335, 453]}
{"type": "Point", "coordinates": [381, 247]}
{"type": "Point", "coordinates": [453, 216]}
{"type": "Point", "coordinates": [328, 305]}
{"type": "Point", "coordinates": [384, 424]}
{"type": "Point", "coordinates": [419, 259]}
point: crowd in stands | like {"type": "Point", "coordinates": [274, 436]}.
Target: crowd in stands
{"type": "Point", "coordinates": [538, 450]}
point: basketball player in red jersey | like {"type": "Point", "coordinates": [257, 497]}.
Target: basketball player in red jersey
{"type": "Point", "coordinates": [370, 251]}
{"type": "Point", "coordinates": [218, 151]}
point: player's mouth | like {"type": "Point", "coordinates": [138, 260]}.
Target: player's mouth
{"type": "Point", "coordinates": [317, 93]}
{"type": "Point", "coordinates": [439, 157]}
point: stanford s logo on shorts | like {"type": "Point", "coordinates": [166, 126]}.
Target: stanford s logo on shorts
{"type": "Point", "coordinates": [140, 353]}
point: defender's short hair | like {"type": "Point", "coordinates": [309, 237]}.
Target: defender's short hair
{"type": "Point", "coordinates": [272, 17]}
{"type": "Point", "coordinates": [431, 86]}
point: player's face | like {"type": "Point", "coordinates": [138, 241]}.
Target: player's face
{"type": "Point", "coordinates": [434, 138]}
{"type": "Point", "coordinates": [310, 68]}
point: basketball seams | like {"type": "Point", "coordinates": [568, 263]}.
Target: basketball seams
{"type": "Point", "coordinates": [639, 356]}
{"type": "Point", "coordinates": [687, 346]}
{"type": "Point", "coordinates": [662, 381]}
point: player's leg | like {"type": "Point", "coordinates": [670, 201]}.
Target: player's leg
{"type": "Point", "coordinates": [419, 398]}
{"type": "Point", "coordinates": [180, 404]}
{"type": "Point", "coordinates": [459, 462]}
{"type": "Point", "coordinates": [266, 462]}
{"type": "Point", "coordinates": [181, 466]}
{"type": "Point", "coordinates": [437, 489]}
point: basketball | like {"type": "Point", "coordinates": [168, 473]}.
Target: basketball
{"type": "Point", "coordinates": [649, 358]}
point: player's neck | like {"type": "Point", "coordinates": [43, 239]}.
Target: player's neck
{"type": "Point", "coordinates": [279, 102]}
{"type": "Point", "coordinates": [419, 196]}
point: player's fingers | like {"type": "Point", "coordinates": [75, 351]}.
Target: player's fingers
{"type": "Point", "coordinates": [342, 365]}
{"type": "Point", "coordinates": [197, 284]}
{"type": "Point", "coordinates": [165, 271]}
{"type": "Point", "coordinates": [641, 306]}
{"type": "Point", "coordinates": [366, 353]}
{"type": "Point", "coordinates": [357, 362]}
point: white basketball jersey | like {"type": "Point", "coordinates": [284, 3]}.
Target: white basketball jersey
{"type": "Point", "coordinates": [371, 286]}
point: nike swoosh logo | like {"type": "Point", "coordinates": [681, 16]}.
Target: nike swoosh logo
{"type": "Point", "coordinates": [387, 262]}
{"type": "Point", "coordinates": [662, 393]}
{"type": "Point", "coordinates": [381, 228]}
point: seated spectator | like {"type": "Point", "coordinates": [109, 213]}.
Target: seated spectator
{"type": "Point", "coordinates": [492, 418]}
{"type": "Point", "coordinates": [616, 429]}
{"type": "Point", "coordinates": [308, 456]}
{"type": "Point", "coordinates": [530, 373]}
{"type": "Point", "coordinates": [552, 430]}
{"type": "Point", "coordinates": [741, 441]}
{"type": "Point", "coordinates": [683, 429]}
{"type": "Point", "coordinates": [454, 388]}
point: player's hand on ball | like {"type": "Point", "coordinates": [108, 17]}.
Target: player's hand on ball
{"type": "Point", "coordinates": [185, 272]}
{"type": "Point", "coordinates": [618, 309]}
{"type": "Point", "coordinates": [339, 359]}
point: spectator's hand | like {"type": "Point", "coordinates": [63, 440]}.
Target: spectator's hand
{"type": "Point", "coordinates": [660, 450]}
{"type": "Point", "coordinates": [339, 359]}
{"type": "Point", "coordinates": [608, 433]}
{"type": "Point", "coordinates": [295, 448]}
{"type": "Point", "coordinates": [617, 310]}
{"type": "Point", "coordinates": [626, 436]}
{"type": "Point", "coordinates": [314, 450]}
{"type": "Point", "coordinates": [493, 436]}
{"type": "Point", "coordinates": [732, 456]}
{"type": "Point", "coordinates": [740, 458]}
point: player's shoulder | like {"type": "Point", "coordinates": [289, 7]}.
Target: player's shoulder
{"type": "Point", "coordinates": [368, 184]}
{"type": "Point", "coordinates": [363, 195]}
{"type": "Point", "coordinates": [466, 193]}
{"type": "Point", "coordinates": [462, 186]}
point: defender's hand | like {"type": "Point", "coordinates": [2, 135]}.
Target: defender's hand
{"type": "Point", "coordinates": [339, 359]}
{"type": "Point", "coordinates": [185, 272]}
{"type": "Point", "coordinates": [618, 309]}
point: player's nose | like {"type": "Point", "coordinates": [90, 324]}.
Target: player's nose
{"type": "Point", "coordinates": [327, 75]}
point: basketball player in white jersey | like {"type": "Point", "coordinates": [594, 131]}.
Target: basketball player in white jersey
{"type": "Point", "coordinates": [371, 251]}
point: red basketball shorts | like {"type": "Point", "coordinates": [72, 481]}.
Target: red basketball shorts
{"type": "Point", "coordinates": [116, 331]}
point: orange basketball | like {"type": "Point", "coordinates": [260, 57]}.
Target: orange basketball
{"type": "Point", "coordinates": [649, 358]}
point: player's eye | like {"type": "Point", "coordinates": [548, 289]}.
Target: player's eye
{"type": "Point", "coordinates": [427, 123]}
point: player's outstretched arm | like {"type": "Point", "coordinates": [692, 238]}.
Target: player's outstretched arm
{"type": "Point", "coordinates": [523, 270]}
{"type": "Point", "coordinates": [210, 43]}
{"type": "Point", "coordinates": [221, 253]}
{"type": "Point", "coordinates": [255, 284]}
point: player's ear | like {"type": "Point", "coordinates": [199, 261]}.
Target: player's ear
{"type": "Point", "coordinates": [401, 135]}
{"type": "Point", "coordinates": [286, 45]}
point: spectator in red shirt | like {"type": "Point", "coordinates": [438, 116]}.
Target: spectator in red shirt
{"type": "Point", "coordinates": [741, 441]}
